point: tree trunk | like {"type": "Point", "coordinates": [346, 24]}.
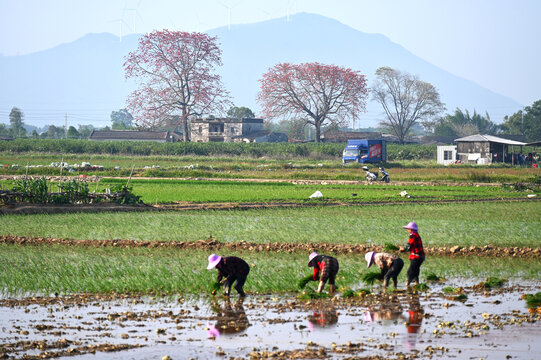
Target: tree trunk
{"type": "Point", "coordinates": [318, 131]}
{"type": "Point", "coordinates": [185, 129]}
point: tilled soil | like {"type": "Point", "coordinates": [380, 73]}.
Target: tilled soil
{"type": "Point", "coordinates": [213, 244]}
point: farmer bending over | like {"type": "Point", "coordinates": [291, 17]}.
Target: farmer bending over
{"type": "Point", "coordinates": [325, 268]}
{"type": "Point", "coordinates": [230, 269]}
{"type": "Point", "coordinates": [390, 266]}
{"type": "Point", "coordinates": [417, 253]}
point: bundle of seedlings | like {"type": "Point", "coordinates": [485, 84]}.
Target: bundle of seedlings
{"type": "Point", "coordinates": [215, 287]}
{"type": "Point", "coordinates": [349, 293]}
{"type": "Point", "coordinates": [492, 282]}
{"type": "Point", "coordinates": [533, 300]}
{"type": "Point", "coordinates": [421, 287]}
{"type": "Point", "coordinates": [434, 278]}
{"type": "Point", "coordinates": [371, 277]}
{"type": "Point", "coordinates": [310, 294]}
{"type": "Point", "coordinates": [302, 282]}
{"type": "Point", "coordinates": [390, 247]}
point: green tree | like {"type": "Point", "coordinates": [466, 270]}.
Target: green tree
{"type": "Point", "coordinates": [73, 133]}
{"type": "Point", "coordinates": [16, 118]}
{"type": "Point", "coordinates": [35, 134]}
{"type": "Point", "coordinates": [85, 131]}
{"type": "Point", "coordinates": [54, 132]}
{"type": "Point", "coordinates": [122, 120]}
{"type": "Point", "coordinates": [4, 130]}
{"type": "Point", "coordinates": [527, 122]}
{"type": "Point", "coordinates": [405, 99]}
{"type": "Point", "coordinates": [240, 112]}
{"type": "Point", "coordinates": [461, 124]}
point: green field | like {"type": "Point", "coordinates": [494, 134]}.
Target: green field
{"type": "Point", "coordinates": [153, 191]}
{"type": "Point", "coordinates": [258, 168]}
{"type": "Point", "coordinates": [465, 224]}
{"type": "Point", "coordinates": [64, 270]}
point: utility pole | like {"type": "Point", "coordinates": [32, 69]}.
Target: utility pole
{"type": "Point", "coordinates": [66, 126]}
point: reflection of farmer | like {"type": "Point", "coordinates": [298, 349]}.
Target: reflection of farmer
{"type": "Point", "coordinates": [229, 320]}
{"type": "Point", "coordinates": [415, 314]}
{"type": "Point", "coordinates": [415, 319]}
{"type": "Point", "coordinates": [391, 310]}
{"type": "Point", "coordinates": [390, 266]}
{"type": "Point", "coordinates": [417, 253]}
{"type": "Point", "coordinates": [230, 269]}
{"type": "Point", "coordinates": [322, 318]}
{"type": "Point", "coordinates": [325, 269]}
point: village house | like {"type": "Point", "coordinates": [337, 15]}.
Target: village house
{"type": "Point", "coordinates": [229, 130]}
{"type": "Point", "coordinates": [134, 135]}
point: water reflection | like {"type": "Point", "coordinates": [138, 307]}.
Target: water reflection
{"type": "Point", "coordinates": [388, 312]}
{"type": "Point", "coordinates": [230, 318]}
{"type": "Point", "coordinates": [416, 314]}
{"type": "Point", "coordinates": [322, 318]}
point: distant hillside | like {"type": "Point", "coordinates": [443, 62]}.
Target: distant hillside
{"type": "Point", "coordinates": [85, 78]}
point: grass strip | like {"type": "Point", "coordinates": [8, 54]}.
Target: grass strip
{"type": "Point", "coordinates": [468, 224]}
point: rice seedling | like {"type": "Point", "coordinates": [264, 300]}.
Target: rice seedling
{"type": "Point", "coordinates": [460, 297]}
{"type": "Point", "coordinates": [302, 282]}
{"type": "Point", "coordinates": [390, 247]}
{"type": "Point", "coordinates": [310, 295]}
{"type": "Point", "coordinates": [533, 301]}
{"type": "Point", "coordinates": [370, 278]}
{"type": "Point", "coordinates": [432, 277]}
{"type": "Point", "coordinates": [421, 287]}
{"type": "Point", "coordinates": [492, 282]}
{"type": "Point", "coordinates": [451, 290]}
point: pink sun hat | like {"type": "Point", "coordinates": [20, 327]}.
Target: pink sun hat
{"type": "Point", "coordinates": [213, 261]}
{"type": "Point", "coordinates": [311, 257]}
{"type": "Point", "coordinates": [411, 226]}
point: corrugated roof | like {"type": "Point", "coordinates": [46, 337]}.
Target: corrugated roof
{"type": "Point", "coordinates": [128, 135]}
{"type": "Point", "coordinates": [489, 138]}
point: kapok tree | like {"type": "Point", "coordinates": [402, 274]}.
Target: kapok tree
{"type": "Point", "coordinates": [176, 76]}
{"type": "Point", "coordinates": [313, 91]}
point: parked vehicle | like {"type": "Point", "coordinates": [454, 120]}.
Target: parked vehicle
{"type": "Point", "coordinates": [364, 151]}
{"type": "Point", "coordinates": [374, 175]}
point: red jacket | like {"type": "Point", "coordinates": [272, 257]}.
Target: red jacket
{"type": "Point", "coordinates": [416, 246]}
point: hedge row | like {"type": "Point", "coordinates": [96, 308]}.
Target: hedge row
{"type": "Point", "coordinates": [272, 150]}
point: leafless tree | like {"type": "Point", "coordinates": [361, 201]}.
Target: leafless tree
{"type": "Point", "coordinates": [405, 99]}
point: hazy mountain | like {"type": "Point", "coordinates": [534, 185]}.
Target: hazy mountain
{"type": "Point", "coordinates": [85, 78]}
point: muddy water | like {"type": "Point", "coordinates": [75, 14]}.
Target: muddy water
{"type": "Point", "coordinates": [492, 324]}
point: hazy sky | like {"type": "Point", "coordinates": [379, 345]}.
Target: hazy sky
{"type": "Point", "coordinates": [496, 43]}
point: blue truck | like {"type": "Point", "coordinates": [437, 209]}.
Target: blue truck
{"type": "Point", "coordinates": [364, 151]}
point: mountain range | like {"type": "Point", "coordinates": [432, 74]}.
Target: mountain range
{"type": "Point", "coordinates": [82, 82]}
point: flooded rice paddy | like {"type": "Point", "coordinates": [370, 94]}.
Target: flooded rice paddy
{"type": "Point", "coordinates": [487, 324]}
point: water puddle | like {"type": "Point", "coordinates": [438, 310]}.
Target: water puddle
{"type": "Point", "coordinates": [487, 324]}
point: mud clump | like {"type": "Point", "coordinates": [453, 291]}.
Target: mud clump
{"type": "Point", "coordinates": [213, 244]}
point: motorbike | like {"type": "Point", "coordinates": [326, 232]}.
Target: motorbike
{"type": "Point", "coordinates": [374, 175]}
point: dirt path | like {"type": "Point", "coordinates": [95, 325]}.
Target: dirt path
{"type": "Point", "coordinates": [213, 244]}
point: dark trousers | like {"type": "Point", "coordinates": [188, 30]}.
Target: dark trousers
{"type": "Point", "coordinates": [393, 272]}
{"type": "Point", "coordinates": [414, 269]}
{"type": "Point", "coordinates": [240, 279]}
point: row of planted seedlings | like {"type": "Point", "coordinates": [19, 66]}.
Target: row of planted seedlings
{"type": "Point", "coordinates": [170, 271]}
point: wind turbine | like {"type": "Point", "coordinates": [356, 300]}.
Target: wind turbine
{"type": "Point", "coordinates": [229, 13]}
{"type": "Point", "coordinates": [135, 16]}
{"type": "Point", "coordinates": [120, 22]}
